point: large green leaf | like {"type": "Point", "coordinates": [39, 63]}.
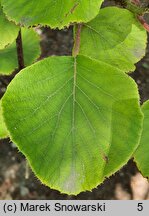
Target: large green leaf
{"type": "Point", "coordinates": [3, 129]}
{"type": "Point", "coordinates": [142, 153]}
{"type": "Point", "coordinates": [76, 120]}
{"type": "Point", "coordinates": [31, 50]}
{"type": "Point", "coordinates": [8, 30]}
{"type": "Point", "coordinates": [115, 36]}
{"type": "Point", "coordinates": [58, 13]}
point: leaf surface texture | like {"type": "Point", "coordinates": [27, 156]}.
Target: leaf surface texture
{"type": "Point", "coordinates": [3, 129]}
{"type": "Point", "coordinates": [31, 51]}
{"type": "Point", "coordinates": [77, 120]}
{"type": "Point", "coordinates": [57, 13]}
{"type": "Point", "coordinates": [8, 30]}
{"type": "Point", "coordinates": [142, 153]}
{"type": "Point", "coordinates": [116, 37]}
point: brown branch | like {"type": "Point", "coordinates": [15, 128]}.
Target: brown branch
{"type": "Point", "coordinates": [20, 51]}
{"type": "Point", "coordinates": [76, 47]}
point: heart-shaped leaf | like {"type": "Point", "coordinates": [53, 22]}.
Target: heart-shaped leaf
{"type": "Point", "coordinates": [142, 153]}
{"type": "Point", "coordinates": [3, 129]}
{"type": "Point", "coordinates": [76, 120]}
{"type": "Point", "coordinates": [116, 37]}
{"type": "Point", "coordinates": [8, 30]}
{"type": "Point", "coordinates": [31, 50]}
{"type": "Point", "coordinates": [57, 13]}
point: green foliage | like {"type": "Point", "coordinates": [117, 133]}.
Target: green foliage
{"type": "Point", "coordinates": [116, 37]}
{"type": "Point", "coordinates": [3, 130]}
{"type": "Point", "coordinates": [76, 120]}
{"type": "Point", "coordinates": [8, 30]}
{"type": "Point", "coordinates": [142, 154]}
{"type": "Point", "coordinates": [57, 13]}
{"type": "Point", "coordinates": [31, 49]}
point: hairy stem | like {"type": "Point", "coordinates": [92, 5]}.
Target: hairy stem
{"type": "Point", "coordinates": [20, 51]}
{"type": "Point", "coordinates": [76, 47]}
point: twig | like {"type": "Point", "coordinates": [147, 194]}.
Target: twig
{"type": "Point", "coordinates": [20, 51]}
{"type": "Point", "coordinates": [77, 40]}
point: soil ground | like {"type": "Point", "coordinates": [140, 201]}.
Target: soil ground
{"type": "Point", "coordinates": [127, 183]}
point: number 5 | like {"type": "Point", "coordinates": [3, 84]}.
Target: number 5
{"type": "Point", "coordinates": [140, 207]}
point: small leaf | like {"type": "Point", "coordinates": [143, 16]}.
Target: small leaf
{"type": "Point", "coordinates": [8, 30]}
{"type": "Point", "coordinates": [142, 154]}
{"type": "Point", "coordinates": [76, 120]}
{"type": "Point", "coordinates": [57, 13]}
{"type": "Point", "coordinates": [116, 37]}
{"type": "Point", "coordinates": [31, 50]}
{"type": "Point", "coordinates": [3, 129]}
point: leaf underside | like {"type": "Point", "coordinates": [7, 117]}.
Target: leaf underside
{"type": "Point", "coordinates": [48, 12]}
{"type": "Point", "coordinates": [75, 125]}
{"type": "Point", "coordinates": [8, 30]}
{"type": "Point", "coordinates": [3, 130]}
{"type": "Point", "coordinates": [31, 51]}
{"type": "Point", "coordinates": [116, 37]}
{"type": "Point", "coordinates": [142, 154]}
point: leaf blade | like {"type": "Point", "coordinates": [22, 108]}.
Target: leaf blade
{"type": "Point", "coordinates": [55, 14]}
{"type": "Point", "coordinates": [9, 30]}
{"type": "Point", "coordinates": [31, 51]}
{"type": "Point", "coordinates": [141, 155]}
{"type": "Point", "coordinates": [116, 37]}
{"type": "Point", "coordinates": [66, 119]}
{"type": "Point", "coordinates": [3, 129]}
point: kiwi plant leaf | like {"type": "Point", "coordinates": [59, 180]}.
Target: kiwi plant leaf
{"type": "Point", "coordinates": [3, 129]}
{"type": "Point", "coordinates": [116, 37]}
{"type": "Point", "coordinates": [142, 154]}
{"type": "Point", "coordinates": [31, 50]}
{"type": "Point", "coordinates": [48, 12]}
{"type": "Point", "coordinates": [8, 30]}
{"type": "Point", "coordinates": [77, 120]}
